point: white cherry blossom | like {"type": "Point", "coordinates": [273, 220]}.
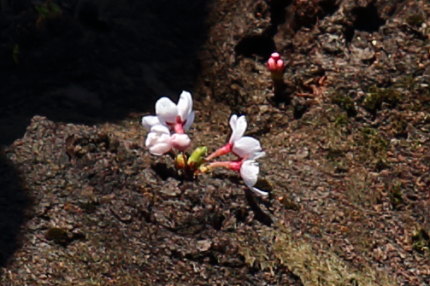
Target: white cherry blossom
{"type": "Point", "coordinates": [241, 146]}
{"type": "Point", "coordinates": [178, 117]}
{"type": "Point", "coordinates": [247, 167]}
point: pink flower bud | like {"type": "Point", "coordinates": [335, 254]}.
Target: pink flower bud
{"type": "Point", "coordinates": [275, 56]}
{"type": "Point", "coordinates": [275, 64]}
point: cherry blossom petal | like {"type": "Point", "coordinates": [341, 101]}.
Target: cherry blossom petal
{"type": "Point", "coordinates": [271, 64]}
{"type": "Point", "coordinates": [154, 138]}
{"type": "Point", "coordinates": [161, 129]}
{"type": "Point", "coordinates": [258, 191]}
{"type": "Point", "coordinates": [166, 110]}
{"type": "Point", "coordinates": [246, 147]}
{"type": "Point", "coordinates": [185, 105]}
{"type": "Point", "coordinates": [160, 149]}
{"type": "Point", "coordinates": [233, 120]}
{"type": "Point", "coordinates": [180, 141]}
{"type": "Point", "coordinates": [257, 155]}
{"type": "Point", "coordinates": [149, 121]}
{"type": "Point", "coordinates": [189, 121]}
{"type": "Point", "coordinates": [276, 56]}
{"type": "Point", "coordinates": [158, 140]}
{"type": "Point", "coordinates": [238, 126]}
{"type": "Point", "coordinates": [249, 173]}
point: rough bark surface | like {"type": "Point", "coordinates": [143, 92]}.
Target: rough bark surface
{"type": "Point", "coordinates": [82, 202]}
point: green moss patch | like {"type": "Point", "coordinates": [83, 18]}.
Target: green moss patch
{"type": "Point", "coordinates": [377, 96]}
{"type": "Point", "coordinates": [278, 249]}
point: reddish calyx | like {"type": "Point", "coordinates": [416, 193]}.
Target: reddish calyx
{"type": "Point", "coordinates": [178, 126]}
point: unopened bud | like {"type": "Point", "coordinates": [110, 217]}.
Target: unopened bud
{"type": "Point", "coordinates": [197, 157]}
{"type": "Point", "coordinates": [275, 64]}
{"type": "Point", "coordinates": [203, 169]}
{"type": "Point", "coordinates": [181, 161]}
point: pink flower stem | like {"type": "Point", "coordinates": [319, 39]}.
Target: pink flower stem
{"type": "Point", "coordinates": [279, 88]}
{"type": "Point", "coordinates": [232, 165]}
{"type": "Point", "coordinates": [221, 151]}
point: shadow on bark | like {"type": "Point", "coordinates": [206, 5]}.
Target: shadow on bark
{"type": "Point", "coordinates": [91, 61]}
{"type": "Point", "coordinates": [14, 204]}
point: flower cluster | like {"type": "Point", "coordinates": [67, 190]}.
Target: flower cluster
{"type": "Point", "coordinates": [167, 128]}
{"type": "Point", "coordinates": [167, 133]}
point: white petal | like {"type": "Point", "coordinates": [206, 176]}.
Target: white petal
{"type": "Point", "coordinates": [233, 120]}
{"type": "Point", "coordinates": [180, 141]}
{"type": "Point", "coordinates": [189, 121]}
{"type": "Point", "coordinates": [158, 140]}
{"type": "Point", "coordinates": [258, 191]}
{"type": "Point", "coordinates": [160, 149]}
{"type": "Point", "coordinates": [166, 110]}
{"type": "Point", "coordinates": [238, 127]}
{"type": "Point", "coordinates": [150, 139]}
{"type": "Point", "coordinates": [246, 147]}
{"type": "Point", "coordinates": [249, 172]}
{"type": "Point", "coordinates": [160, 129]}
{"type": "Point", "coordinates": [154, 138]}
{"type": "Point", "coordinates": [257, 155]}
{"type": "Point", "coordinates": [149, 121]}
{"type": "Point", "coordinates": [185, 105]}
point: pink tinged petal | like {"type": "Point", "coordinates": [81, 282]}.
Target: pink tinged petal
{"type": "Point", "coordinates": [166, 110]}
{"type": "Point", "coordinates": [189, 121]}
{"type": "Point", "coordinates": [180, 141]}
{"type": "Point", "coordinates": [160, 149]}
{"type": "Point", "coordinates": [238, 126]}
{"type": "Point", "coordinates": [158, 134]}
{"type": "Point", "coordinates": [271, 64]}
{"type": "Point", "coordinates": [158, 140]}
{"type": "Point", "coordinates": [158, 145]}
{"type": "Point", "coordinates": [185, 105]}
{"type": "Point", "coordinates": [280, 65]}
{"type": "Point", "coordinates": [149, 121]}
{"type": "Point", "coordinates": [246, 147]}
{"type": "Point", "coordinates": [249, 173]}
{"type": "Point", "coordinates": [275, 56]}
